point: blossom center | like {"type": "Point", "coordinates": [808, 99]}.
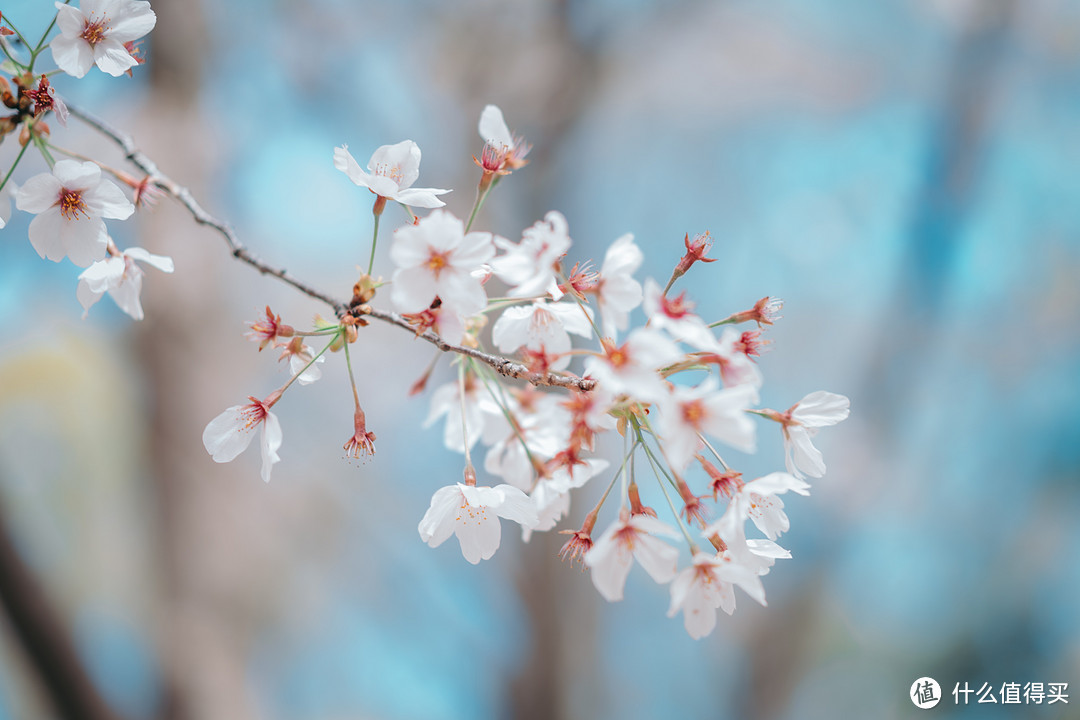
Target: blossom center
{"type": "Point", "coordinates": [676, 308]}
{"type": "Point", "coordinates": [476, 514]}
{"type": "Point", "coordinates": [95, 31]}
{"type": "Point", "coordinates": [693, 413]}
{"type": "Point", "coordinates": [437, 262]}
{"type": "Point", "coordinates": [72, 204]}
{"type": "Point", "coordinates": [389, 171]}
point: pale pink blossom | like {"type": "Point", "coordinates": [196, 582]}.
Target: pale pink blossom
{"type": "Point", "coordinates": [479, 410]}
{"type": "Point", "coordinates": [119, 276]}
{"type": "Point", "coordinates": [230, 433]}
{"type": "Point", "coordinates": [627, 539]}
{"type": "Point", "coordinates": [503, 151]}
{"type": "Point", "coordinates": [736, 367]}
{"type": "Point", "coordinates": [705, 586]}
{"type": "Point", "coordinates": [631, 368]}
{"type": "Point", "coordinates": [528, 266]}
{"type": "Point", "coordinates": [675, 315]}
{"type": "Point", "coordinates": [544, 325]}
{"type": "Point", "coordinates": [758, 500]}
{"type": "Point", "coordinates": [472, 513]}
{"type": "Point", "coordinates": [70, 203]}
{"type": "Point", "coordinates": [536, 435]}
{"type": "Point", "coordinates": [551, 496]}
{"type": "Point", "coordinates": [436, 258]}
{"type": "Point", "coordinates": [391, 173]}
{"type": "Point", "coordinates": [800, 423]}
{"type": "Point", "coordinates": [703, 410]}
{"type": "Point", "coordinates": [300, 355]}
{"type": "Point", "coordinates": [99, 32]}
{"type": "Point", "coordinates": [617, 292]}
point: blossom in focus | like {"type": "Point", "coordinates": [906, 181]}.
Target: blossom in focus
{"type": "Point", "coordinates": [70, 203]}
{"type": "Point", "coordinates": [703, 410]}
{"type": "Point", "coordinates": [230, 433]}
{"type": "Point", "coordinates": [528, 266]}
{"type": "Point", "coordinates": [800, 423]}
{"type": "Point", "coordinates": [503, 151]}
{"type": "Point", "coordinates": [705, 586]}
{"type": "Point", "coordinates": [675, 315]}
{"type": "Point", "coordinates": [472, 513]}
{"type": "Point", "coordinates": [268, 329]}
{"type": "Point", "coordinates": [629, 538]}
{"type": "Point", "coordinates": [99, 32]}
{"type": "Point", "coordinates": [758, 501]}
{"type": "Point", "coordinates": [617, 292]}
{"type": "Point", "coordinates": [541, 325]}
{"type": "Point", "coordinates": [436, 258]}
{"type": "Point", "coordinates": [391, 172]}
{"type": "Point", "coordinates": [119, 276]}
{"type": "Point", "coordinates": [46, 99]}
{"type": "Point", "coordinates": [631, 368]}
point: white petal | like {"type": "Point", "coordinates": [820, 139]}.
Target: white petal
{"type": "Point", "coordinates": [438, 522]}
{"type": "Point", "coordinates": [821, 408]}
{"type": "Point", "coordinates": [657, 557]}
{"type": "Point", "coordinates": [610, 562]}
{"type": "Point", "coordinates": [479, 536]}
{"type": "Point", "coordinates": [229, 434]}
{"type": "Point", "coordinates": [412, 290]}
{"type": "Point", "coordinates": [161, 262]}
{"type": "Point", "coordinates": [38, 194]}
{"type": "Point", "coordinates": [493, 128]}
{"type": "Point", "coordinates": [271, 441]}
{"type": "Point", "coordinates": [346, 163]}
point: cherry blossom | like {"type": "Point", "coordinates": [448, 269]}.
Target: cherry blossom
{"type": "Point", "coordinates": [391, 172]}
{"type": "Point", "coordinates": [119, 276]}
{"type": "Point", "coordinates": [528, 266]}
{"type": "Point", "coordinates": [230, 433]}
{"type": "Point", "coordinates": [300, 355]}
{"type": "Point", "coordinates": [479, 408]}
{"type": "Point", "coordinates": [100, 32]}
{"type": "Point", "coordinates": [675, 315]}
{"type": "Point", "coordinates": [800, 423]}
{"type": "Point", "coordinates": [630, 538]}
{"type": "Point", "coordinates": [617, 291]}
{"type": "Point", "coordinates": [533, 435]}
{"type": "Point", "coordinates": [551, 496]}
{"type": "Point", "coordinates": [436, 258]}
{"type": "Point", "coordinates": [705, 586]}
{"type": "Point", "coordinates": [632, 367]}
{"type": "Point", "coordinates": [544, 325]}
{"type": "Point", "coordinates": [503, 152]}
{"type": "Point", "coordinates": [70, 203]}
{"type": "Point", "coordinates": [703, 410]}
{"type": "Point", "coordinates": [758, 501]}
{"type": "Point", "coordinates": [472, 514]}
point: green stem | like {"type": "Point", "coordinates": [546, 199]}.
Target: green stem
{"type": "Point", "coordinates": [480, 197]}
{"type": "Point", "coordinates": [504, 406]}
{"type": "Point", "coordinates": [678, 519]}
{"type": "Point", "coordinates": [13, 165]}
{"type": "Point", "coordinates": [374, 242]}
{"type": "Point", "coordinates": [352, 380]}
{"type": "Point", "coordinates": [40, 46]}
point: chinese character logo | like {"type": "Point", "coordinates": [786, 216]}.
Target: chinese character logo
{"type": "Point", "coordinates": [925, 693]}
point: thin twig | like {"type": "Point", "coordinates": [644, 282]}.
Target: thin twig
{"type": "Point", "coordinates": [501, 365]}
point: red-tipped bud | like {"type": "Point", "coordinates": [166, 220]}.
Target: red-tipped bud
{"type": "Point", "coordinates": [636, 508]}
{"type": "Point", "coordinates": [696, 250]}
{"type": "Point", "coordinates": [362, 442]}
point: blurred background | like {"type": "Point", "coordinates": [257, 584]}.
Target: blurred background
{"type": "Point", "coordinates": [901, 172]}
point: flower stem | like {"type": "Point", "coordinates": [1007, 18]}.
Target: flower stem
{"type": "Point", "coordinates": [716, 454]}
{"type": "Point", "coordinates": [374, 242]}
{"type": "Point", "coordinates": [37, 50]}
{"type": "Point", "coordinates": [13, 165]}
{"type": "Point", "coordinates": [655, 468]}
{"type": "Point", "coordinates": [352, 380]}
{"type": "Point", "coordinates": [480, 197]}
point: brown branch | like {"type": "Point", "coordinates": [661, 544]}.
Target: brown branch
{"type": "Point", "coordinates": [181, 194]}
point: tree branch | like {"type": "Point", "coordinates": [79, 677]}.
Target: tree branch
{"type": "Point", "coordinates": [181, 194]}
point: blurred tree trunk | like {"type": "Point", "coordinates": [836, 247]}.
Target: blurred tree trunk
{"type": "Point", "coordinates": [202, 650]}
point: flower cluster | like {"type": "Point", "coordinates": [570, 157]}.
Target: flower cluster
{"type": "Point", "coordinates": [573, 364]}
{"type": "Point", "coordinates": [71, 201]}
